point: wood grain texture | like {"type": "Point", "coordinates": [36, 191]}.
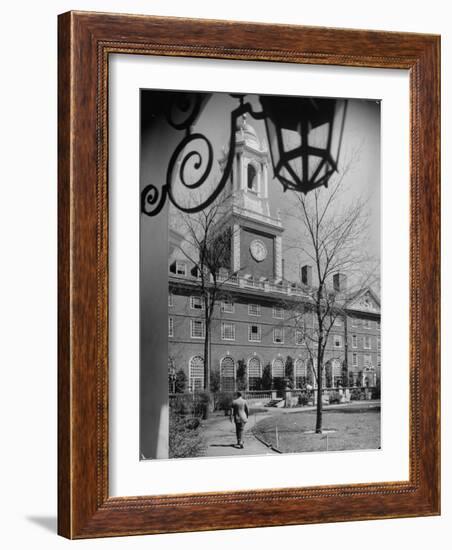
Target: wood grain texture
{"type": "Point", "coordinates": [85, 42]}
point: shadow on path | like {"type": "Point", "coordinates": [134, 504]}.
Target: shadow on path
{"type": "Point", "coordinates": [219, 435]}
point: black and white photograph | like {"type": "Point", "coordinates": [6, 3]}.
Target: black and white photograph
{"type": "Point", "coordinates": [224, 237]}
{"type": "Point", "coordinates": [273, 209]}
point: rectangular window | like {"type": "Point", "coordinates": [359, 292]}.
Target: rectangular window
{"type": "Point", "coordinates": [378, 344]}
{"type": "Point", "coordinates": [338, 322]}
{"type": "Point", "coordinates": [367, 360]}
{"type": "Point", "coordinates": [377, 324]}
{"type": "Point", "coordinates": [337, 340]}
{"type": "Point", "coordinates": [354, 341]}
{"type": "Point", "coordinates": [227, 307]}
{"type": "Point", "coordinates": [196, 302]}
{"type": "Point", "coordinates": [197, 328]}
{"type": "Point", "coordinates": [181, 268]}
{"type": "Point", "coordinates": [278, 335]}
{"type": "Point", "coordinates": [254, 309]}
{"type": "Point", "coordinates": [355, 322]}
{"type": "Point", "coordinates": [366, 323]}
{"type": "Point", "coordinates": [355, 359]}
{"type": "Point", "coordinates": [254, 333]}
{"type": "Point", "coordinates": [170, 326]}
{"type": "Point", "coordinates": [278, 313]}
{"type": "Point", "coordinates": [300, 338]}
{"type": "Point", "coordinates": [170, 299]}
{"type": "Point", "coordinates": [367, 342]}
{"type": "Point", "coordinates": [227, 331]}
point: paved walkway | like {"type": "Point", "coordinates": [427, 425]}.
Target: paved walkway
{"type": "Point", "coordinates": [219, 433]}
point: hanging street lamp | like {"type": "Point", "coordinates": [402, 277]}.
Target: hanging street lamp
{"type": "Point", "coordinates": [304, 136]}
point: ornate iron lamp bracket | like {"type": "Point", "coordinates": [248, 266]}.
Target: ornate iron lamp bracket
{"type": "Point", "coordinates": [153, 199]}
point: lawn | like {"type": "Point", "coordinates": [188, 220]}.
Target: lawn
{"type": "Point", "coordinates": [352, 428]}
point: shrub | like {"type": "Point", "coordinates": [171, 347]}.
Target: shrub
{"type": "Point", "coordinates": [279, 384]}
{"type": "Point", "coordinates": [288, 371]}
{"type": "Point", "coordinates": [241, 375]}
{"type": "Point", "coordinates": [257, 384]}
{"type": "Point", "coordinates": [215, 382]}
{"type": "Point", "coordinates": [181, 381]}
{"type": "Point", "coordinates": [267, 378]}
{"type": "Point", "coordinates": [192, 423]}
{"type": "Point", "coordinates": [185, 439]}
{"type": "Point", "coordinates": [356, 395]}
{"type": "Point", "coordinates": [376, 392]}
{"type": "Point", "coordinates": [359, 381]}
{"type": "Point", "coordinates": [182, 404]}
{"type": "Point", "coordinates": [328, 377]}
{"type": "Point", "coordinates": [335, 397]}
{"type": "Point", "coordinates": [303, 399]}
{"type": "Point", "coordinates": [202, 401]}
{"type": "Point", "coordinates": [224, 401]}
{"type": "Point", "coordinates": [191, 404]}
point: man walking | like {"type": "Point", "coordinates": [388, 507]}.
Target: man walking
{"type": "Point", "coordinates": [239, 411]}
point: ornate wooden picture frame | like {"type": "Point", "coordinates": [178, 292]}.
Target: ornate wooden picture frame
{"type": "Point", "coordinates": [86, 40]}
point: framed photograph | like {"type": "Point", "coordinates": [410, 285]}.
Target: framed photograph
{"type": "Point", "coordinates": [248, 275]}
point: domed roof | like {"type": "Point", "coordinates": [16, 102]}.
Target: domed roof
{"type": "Point", "coordinates": [246, 131]}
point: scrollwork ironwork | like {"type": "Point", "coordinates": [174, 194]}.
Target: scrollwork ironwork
{"type": "Point", "coordinates": [186, 154]}
{"type": "Point", "coordinates": [186, 105]}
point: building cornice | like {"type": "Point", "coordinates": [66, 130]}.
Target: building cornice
{"type": "Point", "coordinates": [263, 294]}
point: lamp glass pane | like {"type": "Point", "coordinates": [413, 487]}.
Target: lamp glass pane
{"type": "Point", "coordinates": [317, 137]}
{"type": "Point", "coordinates": [297, 167]}
{"type": "Point", "coordinates": [272, 137]}
{"type": "Point", "coordinates": [337, 129]}
{"type": "Point", "coordinates": [292, 142]}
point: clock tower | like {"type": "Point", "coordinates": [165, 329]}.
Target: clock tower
{"type": "Point", "coordinates": [256, 247]}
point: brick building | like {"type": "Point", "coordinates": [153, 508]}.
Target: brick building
{"type": "Point", "coordinates": [263, 318]}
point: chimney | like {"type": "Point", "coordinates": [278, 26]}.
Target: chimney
{"type": "Point", "coordinates": [306, 275]}
{"type": "Point", "coordinates": [340, 282]}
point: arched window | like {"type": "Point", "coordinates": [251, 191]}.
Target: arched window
{"type": "Point", "coordinates": [196, 373]}
{"type": "Point", "coordinates": [227, 374]}
{"type": "Point", "coordinates": [252, 178]}
{"type": "Point", "coordinates": [278, 368]}
{"type": "Point", "coordinates": [254, 373]}
{"type": "Point", "coordinates": [300, 373]}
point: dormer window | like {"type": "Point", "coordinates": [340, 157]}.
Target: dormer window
{"type": "Point", "coordinates": [252, 178]}
{"type": "Point", "coordinates": [181, 268]}
{"type": "Point", "coordinates": [196, 302]}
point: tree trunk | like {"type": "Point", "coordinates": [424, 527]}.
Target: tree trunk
{"type": "Point", "coordinates": [318, 423]}
{"type": "Point", "coordinates": [345, 369]}
{"type": "Point", "coordinates": [207, 357]}
{"type": "Point", "coordinates": [207, 367]}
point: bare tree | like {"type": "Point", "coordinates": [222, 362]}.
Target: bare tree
{"type": "Point", "coordinates": [332, 237]}
{"type": "Point", "coordinates": [207, 246]}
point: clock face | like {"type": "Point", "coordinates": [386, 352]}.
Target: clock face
{"type": "Point", "coordinates": [258, 250]}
